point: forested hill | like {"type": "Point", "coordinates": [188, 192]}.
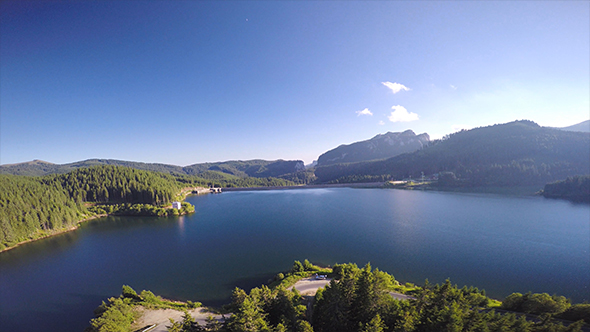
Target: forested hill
{"type": "Point", "coordinates": [32, 207]}
{"type": "Point", "coordinates": [250, 168]}
{"type": "Point", "coordinates": [379, 147]}
{"type": "Point", "coordinates": [511, 154]}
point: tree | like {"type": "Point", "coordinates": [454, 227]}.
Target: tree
{"type": "Point", "coordinates": [212, 324]}
{"type": "Point", "coordinates": [297, 267]}
{"type": "Point", "coordinates": [375, 325]}
{"type": "Point", "coordinates": [247, 318]}
{"type": "Point", "coordinates": [129, 293]}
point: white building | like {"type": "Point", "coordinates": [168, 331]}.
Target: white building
{"type": "Point", "coordinates": [176, 205]}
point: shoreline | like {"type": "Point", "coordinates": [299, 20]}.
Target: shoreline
{"type": "Point", "coordinates": [383, 185]}
{"type": "Point", "coordinates": [185, 193]}
{"type": "Point", "coordinates": [73, 228]}
{"type": "Point", "coordinates": [310, 186]}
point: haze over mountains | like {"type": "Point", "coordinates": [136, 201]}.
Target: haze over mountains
{"type": "Point", "coordinates": [511, 154]}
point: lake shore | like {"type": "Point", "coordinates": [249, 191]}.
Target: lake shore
{"type": "Point", "coordinates": [161, 317]}
{"type": "Point", "coordinates": [55, 232]}
{"type": "Point", "coordinates": [184, 193]}
{"type": "Point", "coordinates": [309, 186]}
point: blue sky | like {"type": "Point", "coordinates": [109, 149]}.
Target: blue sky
{"type": "Point", "coordinates": [183, 82]}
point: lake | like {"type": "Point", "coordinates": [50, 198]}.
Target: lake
{"type": "Point", "coordinates": [502, 244]}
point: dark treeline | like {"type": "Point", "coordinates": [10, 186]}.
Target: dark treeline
{"type": "Point", "coordinates": [253, 182]}
{"type": "Point", "coordinates": [512, 154]}
{"type": "Point", "coordinates": [360, 300]}
{"type": "Point", "coordinates": [576, 188]}
{"type": "Point", "coordinates": [119, 184]}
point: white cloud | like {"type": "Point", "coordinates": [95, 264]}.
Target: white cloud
{"type": "Point", "coordinates": [453, 87]}
{"type": "Point", "coordinates": [364, 112]}
{"type": "Point", "coordinates": [401, 114]}
{"type": "Point", "coordinates": [396, 87]}
{"type": "Point", "coordinates": [381, 123]}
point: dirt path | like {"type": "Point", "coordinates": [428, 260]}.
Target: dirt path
{"type": "Point", "coordinates": [310, 286]}
{"type": "Point", "coordinates": [161, 317]}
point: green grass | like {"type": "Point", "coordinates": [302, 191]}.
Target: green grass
{"type": "Point", "coordinates": [407, 288]}
{"type": "Point", "coordinates": [494, 303]}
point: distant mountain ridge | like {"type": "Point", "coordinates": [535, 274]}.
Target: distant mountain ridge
{"type": "Point", "coordinates": [379, 147]}
{"type": "Point", "coordinates": [583, 126]}
{"type": "Point", "coordinates": [510, 154]}
{"type": "Point", "coordinates": [237, 168]}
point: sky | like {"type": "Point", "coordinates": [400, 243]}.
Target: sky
{"type": "Point", "coordinates": [185, 82]}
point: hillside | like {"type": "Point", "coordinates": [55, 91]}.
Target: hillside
{"type": "Point", "coordinates": [33, 207]}
{"type": "Point", "coordinates": [237, 168]}
{"type": "Point", "coordinates": [36, 206]}
{"type": "Point", "coordinates": [511, 154]}
{"type": "Point", "coordinates": [379, 147]}
{"type": "Point", "coordinates": [581, 127]}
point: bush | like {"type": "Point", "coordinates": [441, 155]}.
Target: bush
{"type": "Point", "coordinates": [129, 292]}
{"type": "Point", "coordinates": [297, 267]}
{"type": "Point", "coordinates": [536, 303]}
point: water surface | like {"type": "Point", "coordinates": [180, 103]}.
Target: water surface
{"type": "Point", "coordinates": [499, 243]}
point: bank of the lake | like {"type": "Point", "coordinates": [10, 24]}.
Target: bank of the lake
{"type": "Point", "coordinates": [308, 186]}
{"type": "Point", "coordinates": [46, 234]}
{"type": "Point", "coordinates": [242, 239]}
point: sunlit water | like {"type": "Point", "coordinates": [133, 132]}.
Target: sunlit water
{"type": "Point", "coordinates": [499, 243]}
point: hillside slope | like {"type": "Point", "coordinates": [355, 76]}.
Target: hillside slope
{"type": "Point", "coordinates": [515, 153]}
{"type": "Point", "coordinates": [250, 168]}
{"type": "Point", "coordinates": [379, 147]}
{"type": "Point", "coordinates": [581, 127]}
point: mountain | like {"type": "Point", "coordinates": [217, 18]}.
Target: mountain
{"type": "Point", "coordinates": [510, 154]}
{"type": "Point", "coordinates": [379, 147]}
{"type": "Point", "coordinates": [582, 127]}
{"type": "Point", "coordinates": [236, 168]}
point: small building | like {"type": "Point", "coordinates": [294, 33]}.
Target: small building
{"type": "Point", "coordinates": [176, 205]}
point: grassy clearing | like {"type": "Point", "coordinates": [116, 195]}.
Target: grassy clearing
{"type": "Point", "coordinates": [407, 288]}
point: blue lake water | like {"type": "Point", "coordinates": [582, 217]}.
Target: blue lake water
{"type": "Point", "coordinates": [502, 244]}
